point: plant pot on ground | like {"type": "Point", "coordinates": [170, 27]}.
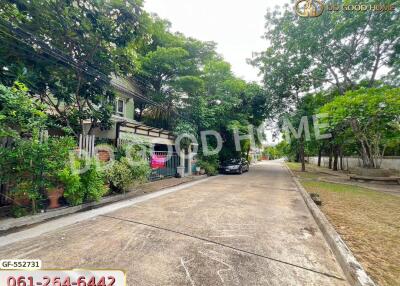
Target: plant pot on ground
{"type": "Point", "coordinates": [54, 194]}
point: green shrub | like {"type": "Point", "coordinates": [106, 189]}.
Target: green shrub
{"type": "Point", "coordinates": [18, 112]}
{"type": "Point", "coordinates": [93, 186]}
{"type": "Point", "coordinates": [25, 198]}
{"type": "Point", "coordinates": [119, 175]}
{"type": "Point", "coordinates": [32, 165]}
{"type": "Point", "coordinates": [72, 186]}
{"type": "Point", "coordinates": [25, 188]}
{"type": "Point", "coordinates": [140, 171]}
{"type": "Point", "coordinates": [17, 211]}
{"type": "Point", "coordinates": [80, 188]}
{"type": "Point", "coordinates": [211, 168]}
{"type": "Point", "coordinates": [136, 150]}
{"type": "Point", "coordinates": [56, 158]}
{"type": "Point", "coordinates": [125, 173]}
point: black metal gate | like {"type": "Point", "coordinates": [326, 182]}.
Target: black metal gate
{"type": "Point", "coordinates": [162, 165]}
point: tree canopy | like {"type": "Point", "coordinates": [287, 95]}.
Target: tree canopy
{"type": "Point", "coordinates": [372, 116]}
{"type": "Point", "coordinates": [312, 61]}
{"type": "Point", "coordinates": [66, 51]}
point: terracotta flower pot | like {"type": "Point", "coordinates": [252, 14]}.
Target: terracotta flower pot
{"type": "Point", "coordinates": [54, 195]}
{"type": "Point", "coordinates": [104, 155]}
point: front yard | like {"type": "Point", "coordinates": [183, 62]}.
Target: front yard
{"type": "Point", "coordinates": [368, 221]}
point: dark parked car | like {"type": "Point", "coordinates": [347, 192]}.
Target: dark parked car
{"type": "Point", "coordinates": [236, 166]}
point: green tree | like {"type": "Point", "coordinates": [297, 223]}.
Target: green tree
{"type": "Point", "coordinates": [168, 67]}
{"type": "Point", "coordinates": [337, 48]}
{"type": "Point", "coordinates": [19, 114]}
{"type": "Point", "coordinates": [373, 118]}
{"type": "Point", "coordinates": [66, 53]}
{"type": "Point", "coordinates": [336, 52]}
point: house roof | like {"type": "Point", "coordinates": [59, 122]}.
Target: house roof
{"type": "Point", "coordinates": [142, 129]}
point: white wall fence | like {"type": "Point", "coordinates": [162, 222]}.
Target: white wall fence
{"type": "Point", "coordinates": [392, 163]}
{"type": "Point", "coordinates": [86, 143]}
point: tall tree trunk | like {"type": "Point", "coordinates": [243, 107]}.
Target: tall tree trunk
{"type": "Point", "coordinates": [341, 158]}
{"type": "Point", "coordinates": [319, 156]}
{"type": "Point", "coordinates": [364, 154]}
{"type": "Point", "coordinates": [338, 84]}
{"type": "Point", "coordinates": [376, 66]}
{"type": "Point", "coordinates": [335, 158]}
{"type": "Point", "coordinates": [302, 156]}
{"type": "Point", "coordinates": [330, 156]}
{"type": "Point", "coordinates": [139, 115]}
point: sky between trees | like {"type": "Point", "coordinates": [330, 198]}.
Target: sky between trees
{"type": "Point", "coordinates": [235, 26]}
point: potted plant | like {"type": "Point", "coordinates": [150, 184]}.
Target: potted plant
{"type": "Point", "coordinates": [54, 165]}
{"type": "Point", "coordinates": [54, 193]}
{"type": "Point", "coordinates": [201, 166]}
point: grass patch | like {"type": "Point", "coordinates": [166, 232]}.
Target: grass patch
{"type": "Point", "coordinates": [296, 167]}
{"type": "Point", "coordinates": [369, 222]}
{"type": "Point", "coordinates": [308, 174]}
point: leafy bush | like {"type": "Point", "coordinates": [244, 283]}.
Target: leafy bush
{"type": "Point", "coordinates": [125, 173]}
{"type": "Point", "coordinates": [32, 165]}
{"type": "Point", "coordinates": [72, 186]}
{"type": "Point", "coordinates": [92, 181]}
{"type": "Point", "coordinates": [137, 150]}
{"type": "Point", "coordinates": [119, 175]}
{"type": "Point", "coordinates": [211, 168]}
{"type": "Point", "coordinates": [88, 186]}
{"type": "Point", "coordinates": [25, 189]}
{"type": "Point", "coordinates": [18, 211]}
{"type": "Point", "coordinates": [140, 171]}
{"type": "Point", "coordinates": [57, 158]}
{"type": "Point", "coordinates": [18, 112]}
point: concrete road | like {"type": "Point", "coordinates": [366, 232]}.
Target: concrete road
{"type": "Point", "coordinates": [250, 229]}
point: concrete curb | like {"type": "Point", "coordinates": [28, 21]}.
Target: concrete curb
{"type": "Point", "coordinates": [13, 223]}
{"type": "Point", "coordinates": [94, 207]}
{"type": "Point", "coordinates": [352, 269]}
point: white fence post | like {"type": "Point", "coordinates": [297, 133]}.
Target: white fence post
{"type": "Point", "coordinates": [86, 143]}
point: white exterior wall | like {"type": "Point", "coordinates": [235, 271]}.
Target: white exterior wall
{"type": "Point", "coordinates": [351, 162]}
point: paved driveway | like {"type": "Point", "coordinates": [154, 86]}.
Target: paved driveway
{"type": "Point", "coordinates": [252, 229]}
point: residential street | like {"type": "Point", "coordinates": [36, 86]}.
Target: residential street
{"type": "Point", "coordinates": [253, 229]}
